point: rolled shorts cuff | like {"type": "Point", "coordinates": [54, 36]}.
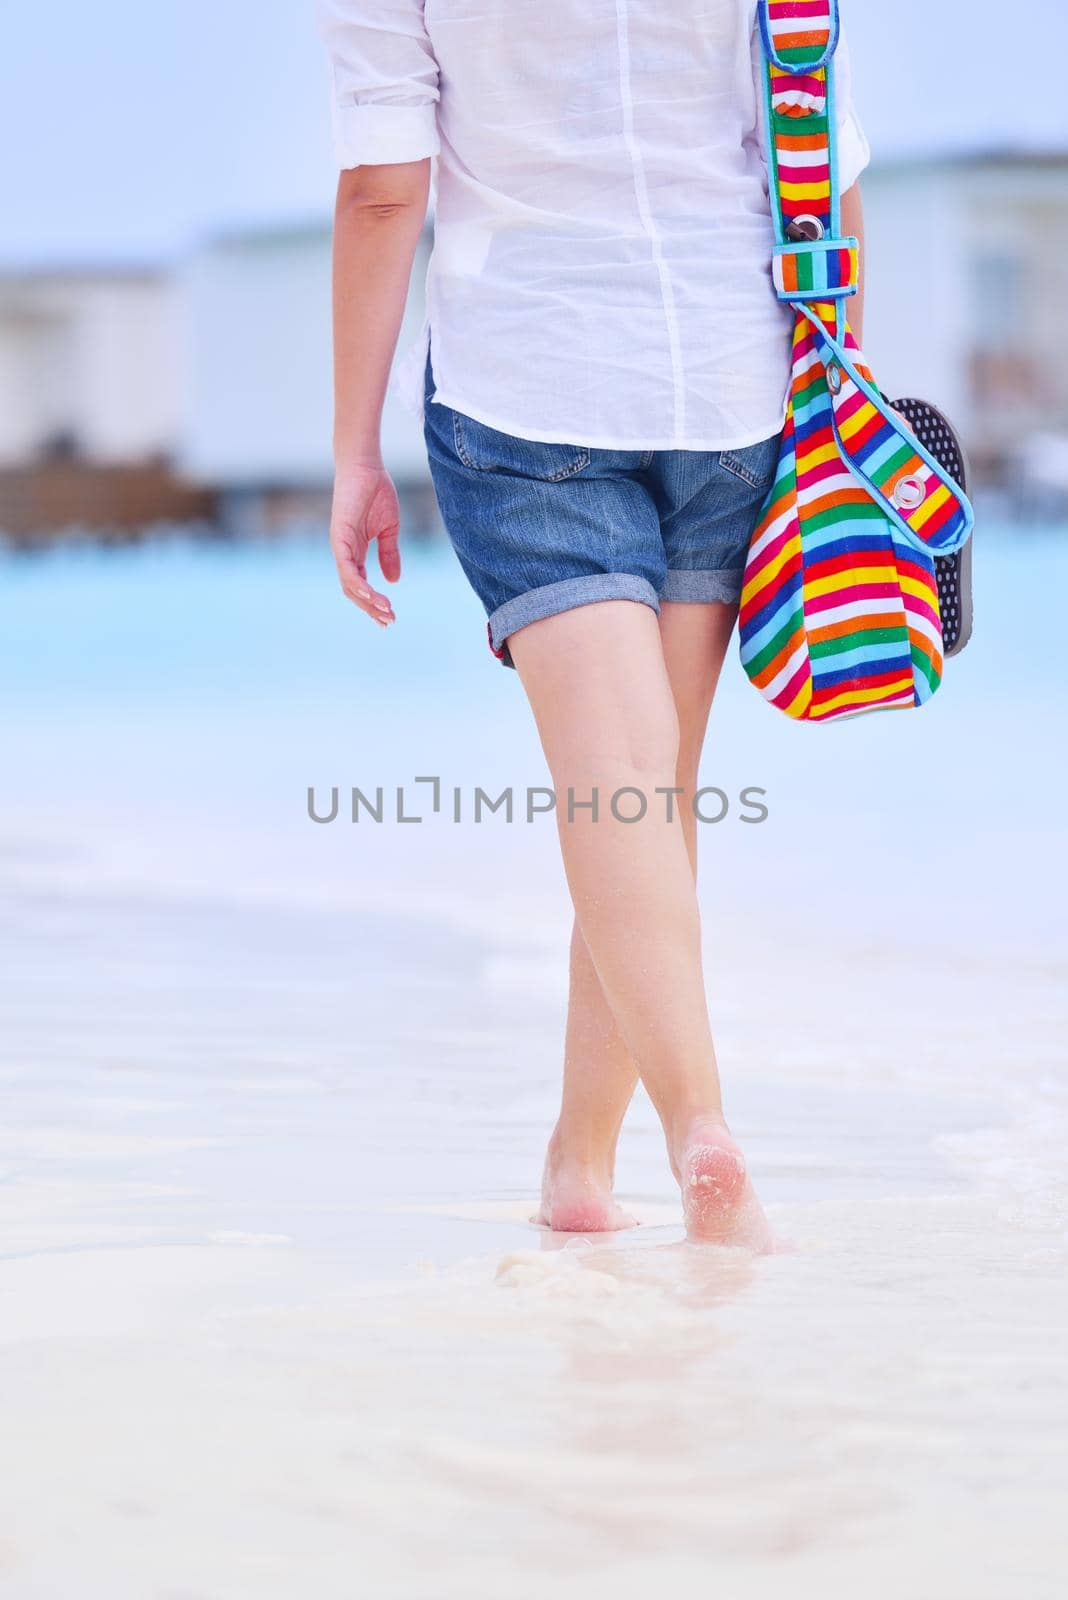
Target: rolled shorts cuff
{"type": "Point", "coordinates": [703, 587]}
{"type": "Point", "coordinates": [552, 598]}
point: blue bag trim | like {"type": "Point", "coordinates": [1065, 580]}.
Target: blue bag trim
{"type": "Point", "coordinates": [831, 349]}
{"type": "Point", "coordinates": [794, 68]}
{"type": "Point", "coordinates": [832, 145]}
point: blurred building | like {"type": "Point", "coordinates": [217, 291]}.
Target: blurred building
{"type": "Point", "coordinates": [260, 419]}
{"type": "Point", "coordinates": [965, 301]}
{"type": "Point", "coordinates": [131, 396]}
{"type": "Point", "coordinates": [91, 400]}
{"type": "Point", "coordinates": [963, 307]}
{"type": "Point", "coordinates": [89, 363]}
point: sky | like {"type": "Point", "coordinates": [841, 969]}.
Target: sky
{"type": "Point", "coordinates": [131, 127]}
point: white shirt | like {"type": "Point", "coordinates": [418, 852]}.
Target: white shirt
{"type": "Point", "coordinates": [603, 237]}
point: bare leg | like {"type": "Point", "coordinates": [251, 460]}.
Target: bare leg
{"type": "Point", "coordinates": [695, 639]}
{"type": "Point", "coordinates": [600, 1075]}
{"type": "Point", "coordinates": [599, 1080]}
{"type": "Point", "coordinates": [599, 687]}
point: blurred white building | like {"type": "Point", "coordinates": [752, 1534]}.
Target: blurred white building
{"type": "Point", "coordinates": [93, 396]}
{"type": "Point", "coordinates": [964, 307]}
{"type": "Point", "coordinates": [222, 365]}
{"type": "Point", "coordinates": [965, 294]}
{"type": "Point", "coordinates": [91, 364]}
{"type": "Point", "coordinates": [257, 310]}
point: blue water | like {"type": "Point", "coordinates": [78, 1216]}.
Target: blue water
{"type": "Point", "coordinates": [188, 619]}
{"type": "Point", "coordinates": [191, 692]}
{"type": "Point", "coordinates": [264, 617]}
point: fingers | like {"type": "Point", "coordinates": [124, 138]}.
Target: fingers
{"type": "Point", "coordinates": [389, 554]}
{"type": "Point", "coordinates": [354, 584]}
{"type": "Point", "coordinates": [365, 508]}
{"type": "Point", "coordinates": [375, 605]}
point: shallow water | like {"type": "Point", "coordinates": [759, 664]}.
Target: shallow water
{"type": "Point", "coordinates": [272, 1318]}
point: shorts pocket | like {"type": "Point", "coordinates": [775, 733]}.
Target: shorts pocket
{"type": "Point", "coordinates": [756, 464]}
{"type": "Point", "coordinates": [486, 449]}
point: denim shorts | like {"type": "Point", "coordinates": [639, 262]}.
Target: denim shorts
{"type": "Point", "coordinates": [543, 528]}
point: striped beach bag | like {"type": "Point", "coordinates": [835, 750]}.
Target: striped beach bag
{"type": "Point", "coordinates": [840, 606]}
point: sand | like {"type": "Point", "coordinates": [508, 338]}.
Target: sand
{"type": "Point", "coordinates": [272, 1320]}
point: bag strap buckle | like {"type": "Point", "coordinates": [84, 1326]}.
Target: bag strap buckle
{"type": "Point", "coordinates": [816, 269]}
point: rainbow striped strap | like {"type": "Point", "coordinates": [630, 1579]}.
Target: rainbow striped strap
{"type": "Point", "coordinates": [799, 39]}
{"type": "Point", "coordinates": [816, 271]}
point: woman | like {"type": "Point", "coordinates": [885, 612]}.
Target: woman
{"type": "Point", "coordinates": [604, 394]}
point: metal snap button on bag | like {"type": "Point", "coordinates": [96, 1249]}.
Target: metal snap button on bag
{"type": "Point", "coordinates": [908, 494]}
{"type": "Point", "coordinates": [805, 227]}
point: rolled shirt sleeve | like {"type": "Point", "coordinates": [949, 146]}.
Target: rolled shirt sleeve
{"type": "Point", "coordinates": [384, 81]}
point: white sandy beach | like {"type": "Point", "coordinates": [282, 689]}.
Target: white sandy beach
{"type": "Point", "coordinates": [272, 1321]}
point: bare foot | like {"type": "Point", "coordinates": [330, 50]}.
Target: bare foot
{"type": "Point", "coordinates": [576, 1200]}
{"type": "Point", "coordinates": [719, 1203]}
